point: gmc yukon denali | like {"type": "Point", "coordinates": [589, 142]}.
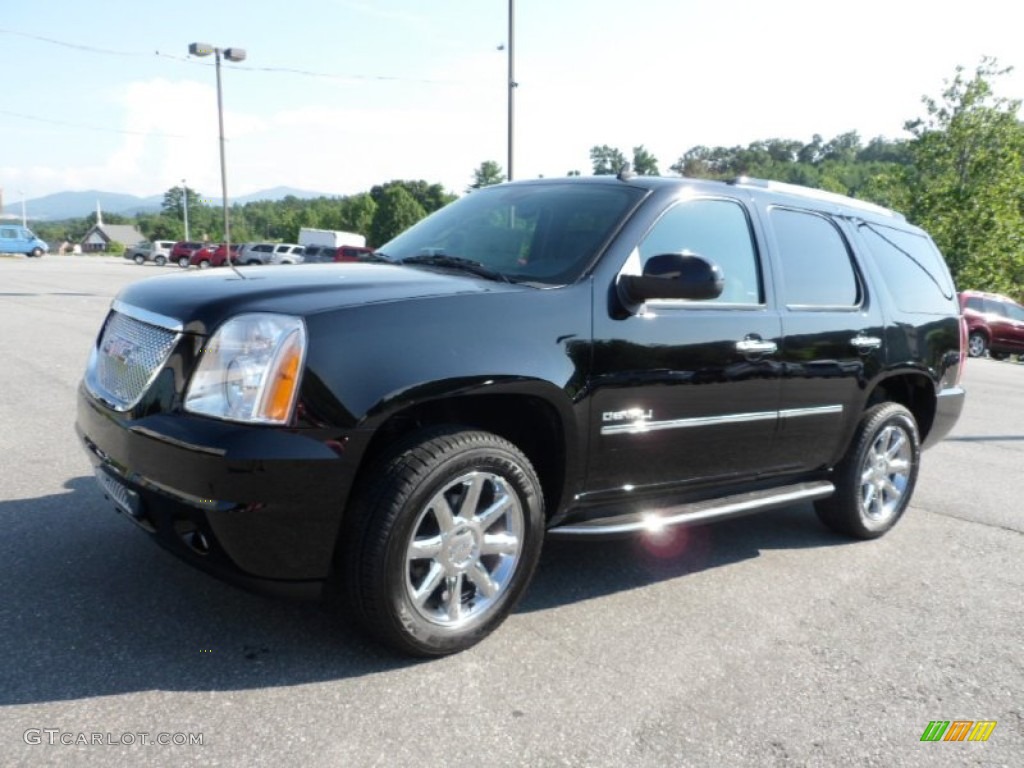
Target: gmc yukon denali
{"type": "Point", "coordinates": [588, 357]}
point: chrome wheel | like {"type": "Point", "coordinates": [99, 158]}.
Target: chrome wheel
{"type": "Point", "coordinates": [465, 547]}
{"type": "Point", "coordinates": [885, 473]}
{"type": "Point", "coordinates": [976, 345]}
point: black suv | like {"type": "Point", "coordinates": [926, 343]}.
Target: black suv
{"type": "Point", "coordinates": [582, 357]}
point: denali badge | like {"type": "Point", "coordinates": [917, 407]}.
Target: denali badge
{"type": "Point", "coordinates": [633, 414]}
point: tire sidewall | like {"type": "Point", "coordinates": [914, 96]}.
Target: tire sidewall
{"type": "Point", "coordinates": [431, 639]}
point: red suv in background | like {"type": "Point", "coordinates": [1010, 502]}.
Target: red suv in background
{"type": "Point", "coordinates": [994, 323]}
{"type": "Point", "coordinates": [182, 251]}
{"type": "Point", "coordinates": [213, 256]}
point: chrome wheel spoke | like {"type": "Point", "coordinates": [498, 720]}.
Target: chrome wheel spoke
{"type": "Point", "coordinates": [499, 544]}
{"type": "Point", "coordinates": [443, 513]}
{"type": "Point", "coordinates": [899, 467]}
{"type": "Point", "coordinates": [894, 491]}
{"type": "Point", "coordinates": [896, 444]}
{"type": "Point", "coordinates": [453, 596]}
{"type": "Point", "coordinates": [489, 516]}
{"type": "Point", "coordinates": [425, 549]}
{"type": "Point", "coordinates": [429, 585]}
{"type": "Point", "coordinates": [467, 509]}
{"type": "Point", "coordinates": [484, 583]}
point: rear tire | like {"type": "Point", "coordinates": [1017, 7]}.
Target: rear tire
{"type": "Point", "coordinates": [875, 479]}
{"type": "Point", "coordinates": [140, 259]}
{"type": "Point", "coordinates": [977, 344]}
{"type": "Point", "coordinates": [997, 355]}
{"type": "Point", "coordinates": [183, 262]}
{"type": "Point", "coordinates": [441, 541]}
{"type": "Point", "coordinates": [204, 264]}
{"type": "Point", "coordinates": [160, 261]}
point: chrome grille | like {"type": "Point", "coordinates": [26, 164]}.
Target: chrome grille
{"type": "Point", "coordinates": [128, 357]}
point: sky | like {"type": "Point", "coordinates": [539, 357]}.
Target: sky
{"type": "Point", "coordinates": [338, 95]}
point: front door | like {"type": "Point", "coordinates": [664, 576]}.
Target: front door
{"type": "Point", "coordinates": [686, 393]}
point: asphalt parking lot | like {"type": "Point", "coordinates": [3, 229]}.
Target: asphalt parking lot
{"type": "Point", "coordinates": [756, 642]}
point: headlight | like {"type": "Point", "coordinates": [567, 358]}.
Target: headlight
{"type": "Point", "coordinates": [250, 370]}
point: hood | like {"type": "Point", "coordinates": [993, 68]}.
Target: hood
{"type": "Point", "coordinates": [201, 301]}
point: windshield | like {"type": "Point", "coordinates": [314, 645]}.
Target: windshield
{"type": "Point", "coordinates": [545, 233]}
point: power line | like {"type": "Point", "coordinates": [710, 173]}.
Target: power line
{"type": "Point", "coordinates": [188, 60]}
{"type": "Point", "coordinates": [102, 129]}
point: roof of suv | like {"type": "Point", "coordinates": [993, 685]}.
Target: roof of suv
{"type": "Point", "coordinates": [776, 190]}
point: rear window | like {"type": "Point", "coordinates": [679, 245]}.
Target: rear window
{"type": "Point", "coordinates": [913, 268]}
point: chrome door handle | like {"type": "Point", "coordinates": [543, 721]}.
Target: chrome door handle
{"type": "Point", "coordinates": [866, 342]}
{"type": "Point", "coordinates": [758, 346]}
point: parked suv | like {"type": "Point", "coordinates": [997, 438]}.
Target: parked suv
{"type": "Point", "coordinates": [255, 253]}
{"type": "Point", "coordinates": [287, 253]}
{"type": "Point", "coordinates": [995, 324]}
{"type": "Point", "coordinates": [181, 252]}
{"type": "Point", "coordinates": [157, 251]}
{"type": "Point", "coordinates": [582, 357]}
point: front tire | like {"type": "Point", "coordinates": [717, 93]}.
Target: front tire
{"type": "Point", "coordinates": [442, 541]}
{"type": "Point", "coordinates": [183, 262]}
{"type": "Point", "coordinates": [139, 259]}
{"type": "Point", "coordinates": [37, 253]}
{"type": "Point", "coordinates": [875, 479]}
{"type": "Point", "coordinates": [977, 344]}
{"type": "Point", "coordinates": [160, 261]}
{"type": "Point", "coordinates": [204, 264]}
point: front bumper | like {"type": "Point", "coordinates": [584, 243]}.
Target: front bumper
{"type": "Point", "coordinates": [259, 506]}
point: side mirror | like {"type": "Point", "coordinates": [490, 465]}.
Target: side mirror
{"type": "Point", "coordinates": [674, 276]}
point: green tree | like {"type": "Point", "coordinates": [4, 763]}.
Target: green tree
{"type": "Point", "coordinates": [431, 197]}
{"type": "Point", "coordinates": [644, 163]}
{"type": "Point", "coordinates": [356, 213]}
{"type": "Point", "coordinates": [488, 174]}
{"type": "Point", "coordinates": [397, 210]}
{"type": "Point", "coordinates": [606, 160]}
{"type": "Point", "coordinates": [966, 185]}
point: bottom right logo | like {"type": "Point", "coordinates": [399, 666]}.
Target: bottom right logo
{"type": "Point", "coordinates": [958, 730]}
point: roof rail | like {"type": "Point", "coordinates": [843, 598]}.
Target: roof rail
{"type": "Point", "coordinates": [816, 194]}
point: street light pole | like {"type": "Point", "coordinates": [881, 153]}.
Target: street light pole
{"type": "Point", "coordinates": [184, 205]}
{"type": "Point", "coordinates": [231, 54]}
{"type": "Point", "coordinates": [24, 221]}
{"type": "Point", "coordinates": [512, 84]}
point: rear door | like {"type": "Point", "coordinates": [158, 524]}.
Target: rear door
{"type": "Point", "coordinates": [833, 335]}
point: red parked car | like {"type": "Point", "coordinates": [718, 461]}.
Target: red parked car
{"type": "Point", "coordinates": [181, 252]}
{"type": "Point", "coordinates": [995, 324]}
{"type": "Point", "coordinates": [213, 256]}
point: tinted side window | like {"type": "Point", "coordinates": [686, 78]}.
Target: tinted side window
{"type": "Point", "coordinates": [975, 303]}
{"type": "Point", "coordinates": [995, 307]}
{"type": "Point", "coordinates": [717, 230]}
{"type": "Point", "coordinates": [816, 267]}
{"type": "Point", "coordinates": [912, 267]}
{"type": "Point", "coordinates": [9, 234]}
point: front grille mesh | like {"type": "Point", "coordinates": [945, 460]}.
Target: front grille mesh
{"type": "Point", "coordinates": [129, 354]}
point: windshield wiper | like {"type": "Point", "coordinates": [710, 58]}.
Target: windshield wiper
{"type": "Point", "coordinates": [456, 262]}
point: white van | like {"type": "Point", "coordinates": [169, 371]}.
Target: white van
{"type": "Point", "coordinates": [15, 238]}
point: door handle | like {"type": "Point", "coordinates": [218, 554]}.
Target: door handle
{"type": "Point", "coordinates": [865, 343]}
{"type": "Point", "coordinates": [757, 346]}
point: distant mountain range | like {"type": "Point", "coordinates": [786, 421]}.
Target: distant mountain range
{"type": "Point", "coordinates": [71, 205]}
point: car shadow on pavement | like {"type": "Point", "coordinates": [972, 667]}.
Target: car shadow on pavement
{"type": "Point", "coordinates": [93, 608]}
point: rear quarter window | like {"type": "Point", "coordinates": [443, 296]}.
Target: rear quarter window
{"type": "Point", "coordinates": [912, 267]}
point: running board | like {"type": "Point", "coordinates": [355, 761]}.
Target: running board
{"type": "Point", "coordinates": [698, 512]}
